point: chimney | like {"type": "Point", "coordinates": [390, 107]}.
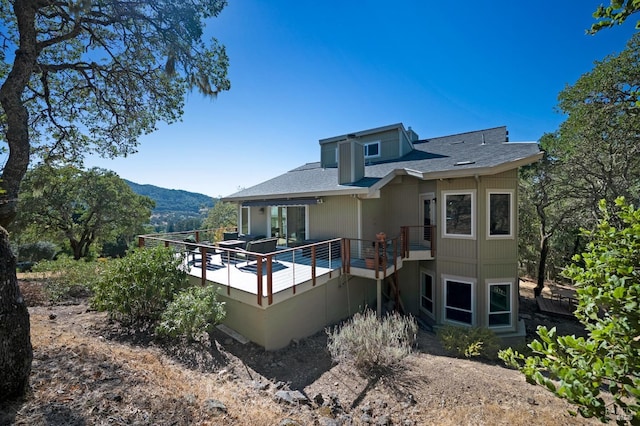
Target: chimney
{"type": "Point", "coordinates": [413, 136]}
{"type": "Point", "coordinates": [350, 160]}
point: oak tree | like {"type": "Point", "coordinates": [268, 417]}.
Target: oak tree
{"type": "Point", "coordinates": [82, 206]}
{"type": "Point", "coordinates": [83, 77]}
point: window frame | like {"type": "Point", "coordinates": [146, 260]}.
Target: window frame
{"type": "Point", "coordinates": [423, 274]}
{"type": "Point", "coordinates": [472, 288]}
{"type": "Point", "coordinates": [511, 233]}
{"type": "Point", "coordinates": [241, 221]}
{"type": "Point", "coordinates": [496, 282]}
{"type": "Point", "coordinates": [472, 194]}
{"type": "Point", "coordinates": [366, 146]}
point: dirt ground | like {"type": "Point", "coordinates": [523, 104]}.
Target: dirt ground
{"type": "Point", "coordinates": [90, 371]}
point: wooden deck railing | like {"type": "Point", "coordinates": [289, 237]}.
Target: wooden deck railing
{"type": "Point", "coordinates": [305, 263]}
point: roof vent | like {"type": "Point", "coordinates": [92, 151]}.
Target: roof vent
{"type": "Point", "coordinates": [457, 142]}
{"type": "Point", "coordinates": [464, 163]}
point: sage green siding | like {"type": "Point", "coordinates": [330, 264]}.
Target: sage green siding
{"type": "Point", "coordinates": [335, 217]}
{"type": "Point", "coordinates": [295, 317]}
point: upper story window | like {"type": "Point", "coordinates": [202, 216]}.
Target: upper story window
{"type": "Point", "coordinates": [500, 214]}
{"type": "Point", "coordinates": [458, 211]}
{"type": "Point", "coordinates": [372, 149]}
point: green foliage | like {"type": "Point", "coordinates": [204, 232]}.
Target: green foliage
{"type": "Point", "coordinates": [139, 286]}
{"type": "Point", "coordinates": [615, 14]}
{"type": "Point", "coordinates": [375, 346]}
{"type": "Point", "coordinates": [35, 252]}
{"type": "Point", "coordinates": [81, 207]}
{"type": "Point", "coordinates": [66, 278]}
{"type": "Point", "coordinates": [469, 341]}
{"type": "Point", "coordinates": [222, 215]}
{"type": "Point", "coordinates": [608, 292]}
{"type": "Point", "coordinates": [193, 313]}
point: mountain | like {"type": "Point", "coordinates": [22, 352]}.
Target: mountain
{"type": "Point", "coordinates": [176, 210]}
{"type": "Point", "coordinates": [174, 200]}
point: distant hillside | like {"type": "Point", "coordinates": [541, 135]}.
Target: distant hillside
{"type": "Point", "coordinates": [174, 200]}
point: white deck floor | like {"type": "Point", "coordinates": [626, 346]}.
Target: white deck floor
{"type": "Point", "coordinates": [243, 276]}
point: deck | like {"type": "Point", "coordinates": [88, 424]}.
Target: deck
{"type": "Point", "coordinates": [290, 268]}
{"type": "Point", "coordinates": [558, 307]}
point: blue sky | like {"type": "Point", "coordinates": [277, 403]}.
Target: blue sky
{"type": "Point", "coordinates": [306, 70]}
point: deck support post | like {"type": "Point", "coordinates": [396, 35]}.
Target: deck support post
{"type": "Point", "coordinates": [379, 296]}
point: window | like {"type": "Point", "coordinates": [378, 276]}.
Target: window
{"type": "Point", "coordinates": [426, 293]}
{"type": "Point", "coordinates": [244, 221]}
{"type": "Point", "coordinates": [458, 301]}
{"type": "Point", "coordinates": [372, 149]}
{"type": "Point", "coordinates": [499, 304]}
{"type": "Point", "coordinates": [288, 224]}
{"type": "Point", "coordinates": [459, 213]}
{"type": "Point", "coordinates": [500, 214]}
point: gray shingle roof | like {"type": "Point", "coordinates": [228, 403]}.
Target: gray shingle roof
{"type": "Point", "coordinates": [480, 152]}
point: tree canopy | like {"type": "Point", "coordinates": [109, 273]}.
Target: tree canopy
{"type": "Point", "coordinates": [81, 206]}
{"type": "Point", "coordinates": [81, 77]}
{"type": "Point", "coordinates": [93, 76]}
{"type": "Point", "coordinates": [615, 14]}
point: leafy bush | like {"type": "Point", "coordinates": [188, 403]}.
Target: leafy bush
{"type": "Point", "coordinates": [374, 346]}
{"type": "Point", "coordinates": [139, 286]}
{"type": "Point", "coordinates": [66, 278]}
{"type": "Point", "coordinates": [578, 368]}
{"type": "Point", "coordinates": [194, 312]}
{"type": "Point", "coordinates": [469, 341]}
{"type": "Point", "coordinates": [35, 252]}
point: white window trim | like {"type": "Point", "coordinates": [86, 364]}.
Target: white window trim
{"type": "Point", "coordinates": [248, 219]}
{"type": "Point", "coordinates": [511, 234]}
{"type": "Point", "coordinates": [474, 311]}
{"type": "Point", "coordinates": [511, 284]}
{"type": "Point", "coordinates": [471, 192]}
{"type": "Point", "coordinates": [366, 144]}
{"type": "Point", "coordinates": [433, 289]}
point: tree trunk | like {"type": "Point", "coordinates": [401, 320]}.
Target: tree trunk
{"type": "Point", "coordinates": [15, 342]}
{"type": "Point", "coordinates": [542, 262]}
{"type": "Point", "coordinates": [16, 352]}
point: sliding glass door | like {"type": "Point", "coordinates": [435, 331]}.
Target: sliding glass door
{"type": "Point", "coordinates": [288, 224]}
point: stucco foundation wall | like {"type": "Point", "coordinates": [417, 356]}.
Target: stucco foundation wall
{"type": "Point", "coordinates": [310, 310]}
{"type": "Point", "coordinates": [307, 313]}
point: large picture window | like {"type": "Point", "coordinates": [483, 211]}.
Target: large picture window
{"type": "Point", "coordinates": [459, 301]}
{"type": "Point", "coordinates": [459, 214]}
{"type": "Point", "coordinates": [500, 214]}
{"type": "Point", "coordinates": [499, 304]}
{"type": "Point", "coordinates": [426, 293]}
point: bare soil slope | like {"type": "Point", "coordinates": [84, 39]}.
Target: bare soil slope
{"type": "Point", "coordinates": [90, 371]}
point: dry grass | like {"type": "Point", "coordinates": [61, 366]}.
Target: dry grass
{"type": "Point", "coordinates": [84, 373]}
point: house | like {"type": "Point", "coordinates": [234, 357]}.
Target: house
{"type": "Point", "coordinates": [448, 207]}
{"type": "Point", "coordinates": [455, 197]}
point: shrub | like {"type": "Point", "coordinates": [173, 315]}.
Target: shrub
{"type": "Point", "coordinates": [139, 286]}
{"type": "Point", "coordinates": [35, 252]}
{"type": "Point", "coordinates": [66, 278]}
{"type": "Point", "coordinates": [374, 346]}
{"type": "Point", "coordinates": [469, 341]}
{"type": "Point", "coordinates": [193, 313]}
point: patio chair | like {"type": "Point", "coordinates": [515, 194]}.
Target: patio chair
{"type": "Point", "coordinates": [264, 246]}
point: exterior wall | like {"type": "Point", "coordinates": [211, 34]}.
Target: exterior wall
{"type": "Point", "coordinates": [308, 312]}
{"type": "Point", "coordinates": [481, 259]}
{"type": "Point", "coordinates": [373, 218]}
{"type": "Point", "coordinates": [335, 217]}
{"type": "Point", "coordinates": [259, 220]}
